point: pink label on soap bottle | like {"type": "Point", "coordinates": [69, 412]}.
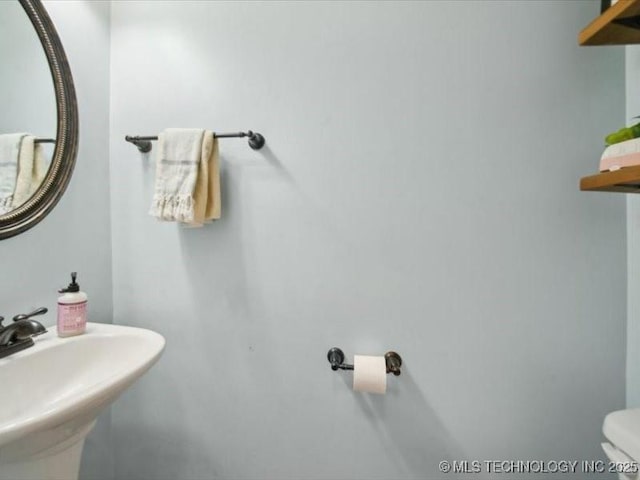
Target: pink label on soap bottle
{"type": "Point", "coordinates": [72, 317]}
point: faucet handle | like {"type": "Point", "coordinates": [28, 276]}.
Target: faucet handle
{"type": "Point", "coordinates": [24, 316]}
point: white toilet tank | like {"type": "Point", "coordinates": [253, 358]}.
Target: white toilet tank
{"type": "Point", "coordinates": [622, 429]}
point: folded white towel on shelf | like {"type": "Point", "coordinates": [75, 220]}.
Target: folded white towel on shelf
{"type": "Point", "coordinates": [31, 170]}
{"type": "Point", "coordinates": [187, 184]}
{"type": "Point", "coordinates": [9, 154]}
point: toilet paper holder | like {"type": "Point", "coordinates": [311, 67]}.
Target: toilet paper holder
{"type": "Point", "coordinates": [336, 359]}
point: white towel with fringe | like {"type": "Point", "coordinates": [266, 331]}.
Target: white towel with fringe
{"type": "Point", "coordinates": [31, 170]}
{"type": "Point", "coordinates": [179, 152]}
{"type": "Point", "coordinates": [9, 154]}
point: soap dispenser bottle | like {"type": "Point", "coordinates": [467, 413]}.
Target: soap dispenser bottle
{"type": "Point", "coordinates": [72, 310]}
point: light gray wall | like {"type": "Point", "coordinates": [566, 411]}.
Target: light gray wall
{"type": "Point", "coordinates": [418, 192]}
{"type": "Point", "coordinates": [75, 236]}
{"type": "Point", "coordinates": [633, 241]}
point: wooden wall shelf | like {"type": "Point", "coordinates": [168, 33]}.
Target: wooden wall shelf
{"type": "Point", "coordinates": [618, 25]}
{"type": "Point", "coordinates": [625, 180]}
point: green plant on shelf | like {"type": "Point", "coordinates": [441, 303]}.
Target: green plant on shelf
{"type": "Point", "coordinates": [624, 134]}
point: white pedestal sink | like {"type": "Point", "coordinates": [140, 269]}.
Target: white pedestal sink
{"type": "Point", "coordinates": [53, 392]}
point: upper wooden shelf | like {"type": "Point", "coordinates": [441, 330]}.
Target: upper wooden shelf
{"type": "Point", "coordinates": [625, 180]}
{"type": "Point", "coordinates": [618, 25]}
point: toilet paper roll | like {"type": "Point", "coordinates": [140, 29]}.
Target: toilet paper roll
{"type": "Point", "coordinates": [369, 374]}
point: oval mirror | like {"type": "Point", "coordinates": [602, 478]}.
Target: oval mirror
{"type": "Point", "coordinates": [39, 121]}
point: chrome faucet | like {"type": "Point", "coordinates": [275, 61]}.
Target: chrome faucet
{"type": "Point", "coordinates": [19, 335]}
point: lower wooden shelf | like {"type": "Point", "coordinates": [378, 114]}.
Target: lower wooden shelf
{"type": "Point", "coordinates": [625, 180]}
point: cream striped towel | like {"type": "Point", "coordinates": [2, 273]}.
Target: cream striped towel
{"type": "Point", "coordinates": [187, 187]}
{"type": "Point", "coordinates": [31, 170]}
{"type": "Point", "coordinates": [9, 154]}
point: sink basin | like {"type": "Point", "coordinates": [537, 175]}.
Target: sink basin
{"type": "Point", "coordinates": [53, 392]}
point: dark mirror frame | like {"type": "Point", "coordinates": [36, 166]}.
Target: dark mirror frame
{"type": "Point", "coordinates": [64, 155]}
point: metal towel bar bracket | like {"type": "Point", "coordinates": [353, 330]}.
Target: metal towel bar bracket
{"type": "Point", "coordinates": [336, 359]}
{"type": "Point", "coordinates": [256, 140]}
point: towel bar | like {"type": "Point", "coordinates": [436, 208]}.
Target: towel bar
{"type": "Point", "coordinates": [256, 141]}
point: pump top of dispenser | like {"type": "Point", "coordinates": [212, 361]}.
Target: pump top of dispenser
{"type": "Point", "coordinates": [73, 286]}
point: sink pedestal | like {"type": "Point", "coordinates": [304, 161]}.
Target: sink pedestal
{"type": "Point", "coordinates": [58, 462]}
